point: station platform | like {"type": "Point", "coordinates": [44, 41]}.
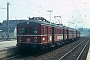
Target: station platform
{"type": "Point", "coordinates": [88, 55]}
{"type": "Point", "coordinates": [4, 45]}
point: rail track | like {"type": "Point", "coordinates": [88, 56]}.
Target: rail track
{"type": "Point", "coordinates": [74, 54]}
{"type": "Point", "coordinates": [65, 52]}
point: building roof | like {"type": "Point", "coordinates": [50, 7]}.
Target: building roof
{"type": "Point", "coordinates": [12, 25]}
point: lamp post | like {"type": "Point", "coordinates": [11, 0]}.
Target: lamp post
{"type": "Point", "coordinates": [50, 13]}
{"type": "Point", "coordinates": [7, 21]}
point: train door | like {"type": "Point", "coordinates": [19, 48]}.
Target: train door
{"type": "Point", "coordinates": [63, 34]}
{"type": "Point", "coordinates": [67, 34]}
{"type": "Point", "coordinates": [47, 32]}
{"type": "Point", "coordinates": [76, 33]}
{"type": "Point", "coordinates": [52, 34]}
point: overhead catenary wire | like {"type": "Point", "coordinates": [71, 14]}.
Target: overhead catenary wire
{"type": "Point", "coordinates": [39, 6]}
{"type": "Point", "coordinates": [20, 10]}
{"type": "Point", "coordinates": [35, 5]}
{"type": "Point", "coordinates": [76, 8]}
{"type": "Point", "coordinates": [52, 5]}
{"type": "Point", "coordinates": [30, 7]}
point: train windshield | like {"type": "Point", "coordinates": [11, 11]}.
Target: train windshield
{"type": "Point", "coordinates": [33, 31]}
{"type": "Point", "coordinates": [23, 30]}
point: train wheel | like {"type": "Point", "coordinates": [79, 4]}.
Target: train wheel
{"type": "Point", "coordinates": [41, 49]}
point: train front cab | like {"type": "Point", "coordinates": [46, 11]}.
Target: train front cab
{"type": "Point", "coordinates": [33, 35]}
{"type": "Point", "coordinates": [28, 35]}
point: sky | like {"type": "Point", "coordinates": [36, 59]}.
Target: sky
{"type": "Point", "coordinates": [73, 13]}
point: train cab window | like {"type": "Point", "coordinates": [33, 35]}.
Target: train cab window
{"type": "Point", "coordinates": [33, 30]}
{"type": "Point", "coordinates": [23, 30]}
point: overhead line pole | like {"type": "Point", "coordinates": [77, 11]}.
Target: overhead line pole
{"type": "Point", "coordinates": [7, 20]}
{"type": "Point", "coordinates": [50, 13]}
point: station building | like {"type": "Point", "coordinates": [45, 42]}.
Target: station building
{"type": "Point", "coordinates": [12, 28]}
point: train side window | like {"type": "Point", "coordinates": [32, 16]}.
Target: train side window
{"type": "Point", "coordinates": [55, 31]}
{"type": "Point", "coordinates": [50, 30]}
{"type": "Point", "coordinates": [33, 30]}
{"type": "Point", "coordinates": [23, 30]}
{"type": "Point", "coordinates": [46, 30]}
{"type": "Point", "coordinates": [42, 30]}
{"type": "Point", "coordinates": [60, 31]}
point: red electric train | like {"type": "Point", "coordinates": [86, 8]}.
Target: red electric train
{"type": "Point", "coordinates": [38, 33]}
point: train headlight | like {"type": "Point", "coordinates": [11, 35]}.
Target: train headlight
{"type": "Point", "coordinates": [35, 39]}
{"type": "Point", "coordinates": [43, 39]}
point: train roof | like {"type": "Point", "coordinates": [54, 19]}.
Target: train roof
{"type": "Point", "coordinates": [41, 21]}
{"type": "Point", "coordinates": [57, 25]}
{"type": "Point", "coordinates": [69, 28]}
